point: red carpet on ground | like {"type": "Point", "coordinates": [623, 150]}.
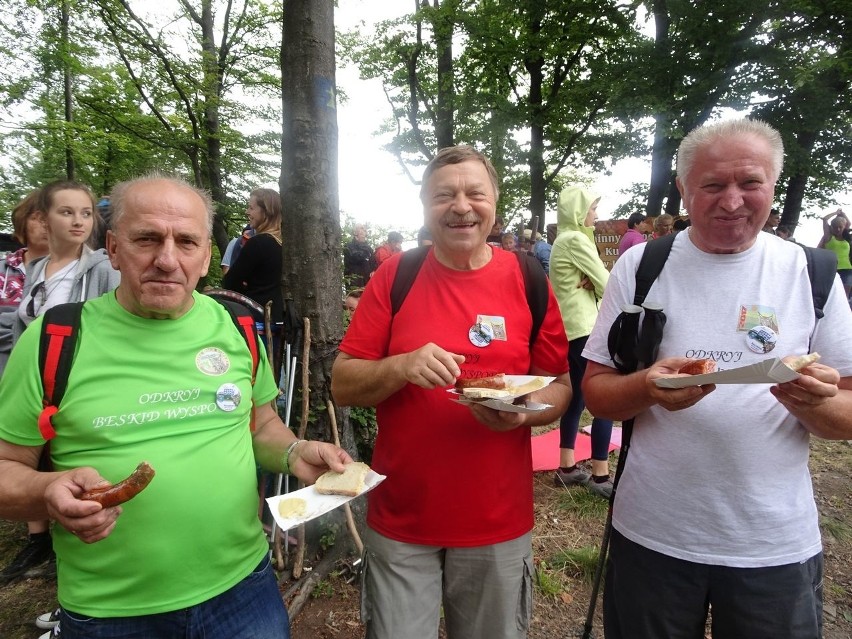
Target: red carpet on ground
{"type": "Point", "coordinates": [545, 448]}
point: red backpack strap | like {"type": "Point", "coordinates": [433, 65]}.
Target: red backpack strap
{"type": "Point", "coordinates": [59, 331]}
{"type": "Point", "coordinates": [244, 321]}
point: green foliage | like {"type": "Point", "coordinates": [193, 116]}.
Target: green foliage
{"type": "Point", "coordinates": [323, 589]}
{"type": "Point", "coordinates": [578, 562]}
{"type": "Point", "coordinates": [836, 528]}
{"type": "Point", "coordinates": [364, 424]}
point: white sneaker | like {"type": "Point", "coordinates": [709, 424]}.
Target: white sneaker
{"type": "Point", "coordinates": [51, 634]}
{"type": "Point", "coordinates": [48, 620]}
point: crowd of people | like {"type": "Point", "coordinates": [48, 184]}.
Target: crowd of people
{"type": "Point", "coordinates": [449, 532]}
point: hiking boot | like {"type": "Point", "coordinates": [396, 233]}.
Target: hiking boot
{"type": "Point", "coordinates": [48, 620]}
{"type": "Point", "coordinates": [574, 478]}
{"type": "Point", "coordinates": [601, 490]}
{"type": "Point", "coordinates": [37, 551]}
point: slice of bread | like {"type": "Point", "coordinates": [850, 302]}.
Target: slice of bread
{"type": "Point", "coordinates": [350, 482]}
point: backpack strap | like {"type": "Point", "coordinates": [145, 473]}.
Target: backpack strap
{"type": "Point", "coordinates": [406, 272]}
{"type": "Point", "coordinates": [822, 267]}
{"type": "Point", "coordinates": [59, 331]}
{"type": "Point", "coordinates": [538, 295]}
{"type": "Point", "coordinates": [243, 319]}
{"type": "Point", "coordinates": [652, 262]}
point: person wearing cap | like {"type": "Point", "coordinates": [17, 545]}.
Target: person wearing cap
{"type": "Point", "coordinates": [391, 247]}
{"type": "Point", "coordinates": [635, 233]}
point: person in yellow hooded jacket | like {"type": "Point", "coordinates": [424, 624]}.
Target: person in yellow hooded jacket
{"type": "Point", "coordinates": [578, 277]}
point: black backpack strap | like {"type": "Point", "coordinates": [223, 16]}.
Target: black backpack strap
{"type": "Point", "coordinates": [406, 272]}
{"type": "Point", "coordinates": [822, 267]}
{"type": "Point", "coordinates": [59, 331]}
{"type": "Point", "coordinates": [244, 321]}
{"type": "Point", "coordinates": [655, 256]}
{"type": "Point", "coordinates": [538, 295]}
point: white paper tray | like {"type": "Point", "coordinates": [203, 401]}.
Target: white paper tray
{"type": "Point", "coordinates": [769, 371]}
{"type": "Point", "coordinates": [505, 403]}
{"type": "Point", "coordinates": [317, 504]}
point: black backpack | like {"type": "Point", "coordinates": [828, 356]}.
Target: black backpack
{"type": "Point", "coordinates": [60, 330]}
{"type": "Point", "coordinates": [535, 283]}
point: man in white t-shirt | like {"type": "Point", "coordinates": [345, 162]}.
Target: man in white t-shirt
{"type": "Point", "coordinates": [715, 506]}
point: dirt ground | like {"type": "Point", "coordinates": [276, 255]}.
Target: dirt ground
{"type": "Point", "coordinates": [568, 528]}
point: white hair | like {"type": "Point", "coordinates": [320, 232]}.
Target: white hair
{"type": "Point", "coordinates": [708, 133]}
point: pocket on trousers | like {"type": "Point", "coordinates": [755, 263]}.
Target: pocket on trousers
{"type": "Point", "coordinates": [525, 604]}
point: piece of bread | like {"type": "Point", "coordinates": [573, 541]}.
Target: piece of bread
{"type": "Point", "coordinates": [799, 362]}
{"type": "Point", "coordinates": [350, 482]}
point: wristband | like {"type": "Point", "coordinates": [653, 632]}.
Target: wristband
{"type": "Point", "coordinates": [290, 448]}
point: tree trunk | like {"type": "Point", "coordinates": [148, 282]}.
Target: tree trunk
{"type": "Point", "coordinates": [535, 67]}
{"type": "Point", "coordinates": [312, 277]}
{"type": "Point", "coordinates": [444, 126]}
{"type": "Point", "coordinates": [70, 169]}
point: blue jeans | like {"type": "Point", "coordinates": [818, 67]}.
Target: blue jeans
{"type": "Point", "coordinates": [253, 609]}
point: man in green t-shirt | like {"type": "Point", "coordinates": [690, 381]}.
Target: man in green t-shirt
{"type": "Point", "coordinates": [161, 374]}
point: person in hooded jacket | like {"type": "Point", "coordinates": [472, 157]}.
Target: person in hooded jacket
{"type": "Point", "coordinates": [578, 277]}
{"type": "Point", "coordinates": [70, 272]}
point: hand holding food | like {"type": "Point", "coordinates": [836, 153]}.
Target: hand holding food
{"type": "Point", "coordinates": [125, 490]}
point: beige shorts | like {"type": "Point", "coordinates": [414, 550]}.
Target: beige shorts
{"type": "Point", "coordinates": [486, 591]}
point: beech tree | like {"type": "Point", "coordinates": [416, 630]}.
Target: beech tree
{"type": "Point", "coordinates": [313, 278]}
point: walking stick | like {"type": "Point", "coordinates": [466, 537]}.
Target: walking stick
{"type": "Point", "coordinates": [350, 521]}
{"type": "Point", "coordinates": [303, 427]}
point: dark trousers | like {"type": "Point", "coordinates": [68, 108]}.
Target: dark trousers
{"type": "Point", "coordinates": [649, 595]}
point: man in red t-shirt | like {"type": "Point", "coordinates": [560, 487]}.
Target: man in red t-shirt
{"type": "Point", "coordinates": [452, 523]}
{"type": "Point", "coordinates": [389, 248]}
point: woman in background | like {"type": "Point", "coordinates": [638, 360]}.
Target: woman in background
{"type": "Point", "coordinates": [578, 277]}
{"type": "Point", "coordinates": [32, 234]}
{"type": "Point", "coordinates": [257, 271]}
{"type": "Point", "coordinates": [70, 272]}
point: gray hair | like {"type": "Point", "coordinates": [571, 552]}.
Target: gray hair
{"type": "Point", "coordinates": [708, 133]}
{"type": "Point", "coordinates": [120, 191]}
{"type": "Point", "coordinates": [456, 155]}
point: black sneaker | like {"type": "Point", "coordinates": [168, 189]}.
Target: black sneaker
{"type": "Point", "coordinates": [36, 552]}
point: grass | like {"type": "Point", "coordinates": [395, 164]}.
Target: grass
{"type": "Point", "coordinates": [580, 563]}
{"type": "Point", "coordinates": [837, 528]}
{"type": "Point", "coordinates": [581, 503]}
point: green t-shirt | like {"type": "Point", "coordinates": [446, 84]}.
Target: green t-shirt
{"type": "Point", "coordinates": [841, 248]}
{"type": "Point", "coordinates": [152, 390]}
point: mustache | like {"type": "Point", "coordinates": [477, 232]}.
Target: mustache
{"type": "Point", "coordinates": [449, 220]}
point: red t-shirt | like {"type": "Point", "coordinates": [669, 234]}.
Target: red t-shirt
{"type": "Point", "coordinates": [383, 253]}
{"type": "Point", "coordinates": [450, 480]}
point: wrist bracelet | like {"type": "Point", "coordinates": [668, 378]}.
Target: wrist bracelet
{"type": "Point", "coordinates": [286, 470]}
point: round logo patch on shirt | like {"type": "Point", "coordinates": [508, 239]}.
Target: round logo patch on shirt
{"type": "Point", "coordinates": [481, 334]}
{"type": "Point", "coordinates": [212, 361]}
{"type": "Point", "coordinates": [761, 339]}
{"type": "Point", "coordinates": [228, 397]}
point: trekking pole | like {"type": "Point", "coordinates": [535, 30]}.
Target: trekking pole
{"type": "Point", "coordinates": [626, 432]}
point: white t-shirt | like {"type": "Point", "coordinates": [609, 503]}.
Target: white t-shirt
{"type": "Point", "coordinates": [725, 482]}
{"type": "Point", "coordinates": [45, 294]}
